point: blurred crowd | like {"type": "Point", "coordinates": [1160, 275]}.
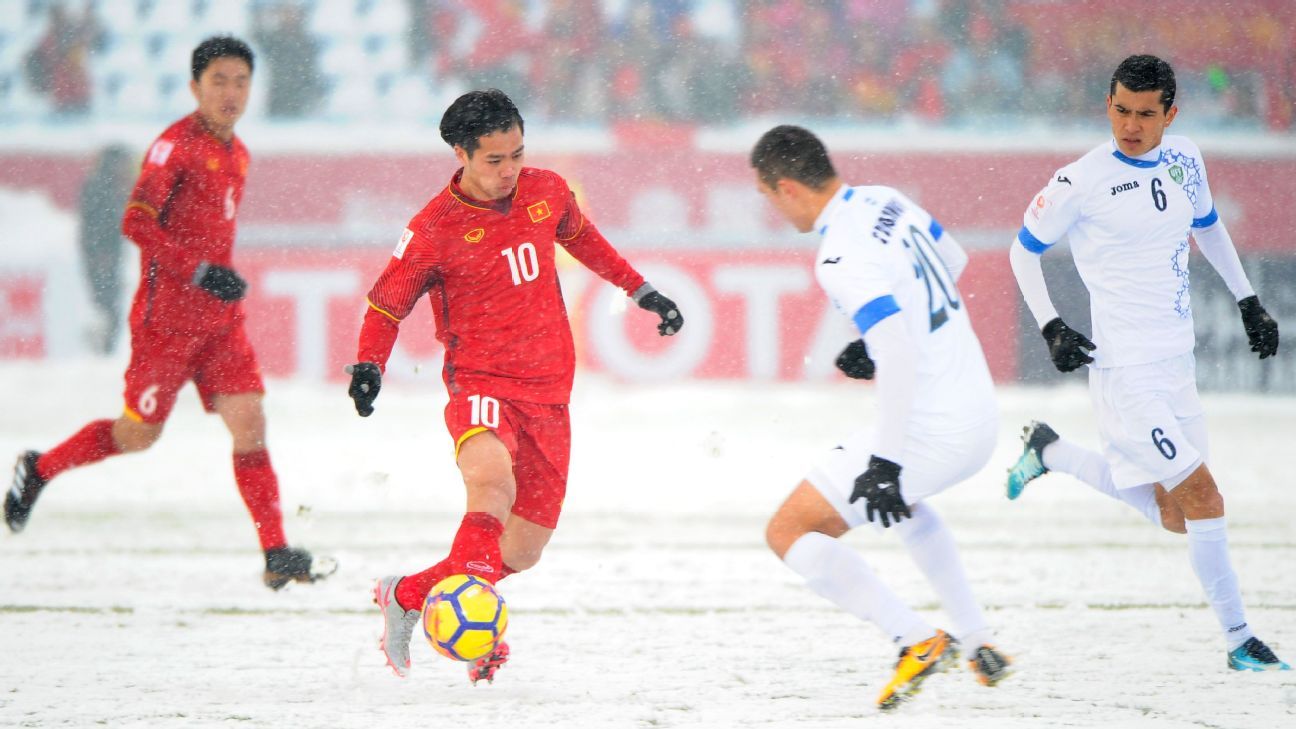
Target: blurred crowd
{"type": "Point", "coordinates": [954, 62]}
{"type": "Point", "coordinates": [58, 65]}
{"type": "Point", "coordinates": [947, 61]}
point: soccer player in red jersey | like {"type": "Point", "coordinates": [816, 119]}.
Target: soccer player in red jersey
{"type": "Point", "coordinates": [483, 252]}
{"type": "Point", "coordinates": [186, 321]}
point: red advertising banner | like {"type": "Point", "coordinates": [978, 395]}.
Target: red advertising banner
{"type": "Point", "coordinates": [316, 230]}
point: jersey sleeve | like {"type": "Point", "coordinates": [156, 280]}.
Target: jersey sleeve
{"type": "Point", "coordinates": [409, 275]}
{"type": "Point", "coordinates": [162, 172]}
{"type": "Point", "coordinates": [858, 284]}
{"type": "Point", "coordinates": [578, 235]}
{"type": "Point", "coordinates": [1053, 211]}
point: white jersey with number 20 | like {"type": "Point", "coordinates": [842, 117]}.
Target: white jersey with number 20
{"type": "Point", "coordinates": [881, 255]}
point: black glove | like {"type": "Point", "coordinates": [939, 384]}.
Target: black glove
{"type": "Point", "coordinates": [855, 361]}
{"type": "Point", "coordinates": [671, 320]}
{"type": "Point", "coordinates": [879, 486]}
{"type": "Point", "coordinates": [366, 381]}
{"type": "Point", "coordinates": [1068, 348]}
{"type": "Point", "coordinates": [221, 282]}
{"type": "Point", "coordinates": [1261, 329]}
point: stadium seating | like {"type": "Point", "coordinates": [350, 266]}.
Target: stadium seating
{"type": "Point", "coordinates": [373, 62]}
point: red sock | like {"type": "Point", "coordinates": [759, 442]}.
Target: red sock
{"type": "Point", "coordinates": [475, 551]}
{"type": "Point", "coordinates": [260, 490]}
{"type": "Point", "coordinates": [505, 571]}
{"type": "Point", "coordinates": [91, 444]}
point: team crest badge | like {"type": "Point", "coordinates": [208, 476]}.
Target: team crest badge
{"type": "Point", "coordinates": [538, 211]}
{"type": "Point", "coordinates": [213, 164]}
{"type": "Point", "coordinates": [1176, 174]}
{"type": "Point", "coordinates": [475, 235]}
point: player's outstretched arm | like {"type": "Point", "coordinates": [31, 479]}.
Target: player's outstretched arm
{"type": "Point", "coordinates": [377, 338]}
{"type": "Point", "coordinates": [890, 341]}
{"type": "Point", "coordinates": [366, 381]}
{"type": "Point", "coordinates": [1067, 348]}
{"type": "Point", "coordinates": [1217, 246]}
{"type": "Point", "coordinates": [650, 299]}
{"type": "Point", "coordinates": [1029, 272]}
{"type": "Point", "coordinates": [1261, 329]}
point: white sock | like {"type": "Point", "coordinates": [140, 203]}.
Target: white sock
{"type": "Point", "coordinates": [1089, 466]}
{"type": "Point", "coordinates": [1208, 552]}
{"type": "Point", "coordinates": [931, 545]}
{"type": "Point", "coordinates": [837, 573]}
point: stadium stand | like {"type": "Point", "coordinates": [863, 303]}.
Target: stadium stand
{"type": "Point", "coordinates": [951, 62]}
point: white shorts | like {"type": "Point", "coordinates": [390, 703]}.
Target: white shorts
{"type": "Point", "coordinates": [1150, 421]}
{"type": "Point", "coordinates": [931, 464]}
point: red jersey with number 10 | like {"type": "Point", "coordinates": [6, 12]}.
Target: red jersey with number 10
{"type": "Point", "coordinates": [489, 271]}
{"type": "Point", "coordinates": [180, 215]}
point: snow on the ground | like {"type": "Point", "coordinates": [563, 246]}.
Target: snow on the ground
{"type": "Point", "coordinates": [134, 598]}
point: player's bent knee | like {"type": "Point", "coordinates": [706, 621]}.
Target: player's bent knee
{"type": "Point", "coordinates": [1197, 496]}
{"type": "Point", "coordinates": [781, 533]}
{"type": "Point", "coordinates": [1172, 517]}
{"type": "Point", "coordinates": [131, 436]}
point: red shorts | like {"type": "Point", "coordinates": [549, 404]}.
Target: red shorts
{"type": "Point", "coordinates": [162, 362]}
{"type": "Point", "coordinates": [538, 436]}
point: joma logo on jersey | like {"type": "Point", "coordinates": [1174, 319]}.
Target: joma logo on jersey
{"type": "Point", "coordinates": [1124, 187]}
{"type": "Point", "coordinates": [538, 211]}
{"type": "Point", "coordinates": [475, 235]}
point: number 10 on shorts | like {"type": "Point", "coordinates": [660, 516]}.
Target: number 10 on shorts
{"type": "Point", "coordinates": [485, 410]}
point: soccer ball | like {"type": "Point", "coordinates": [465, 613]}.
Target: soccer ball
{"type": "Point", "coordinates": [464, 617]}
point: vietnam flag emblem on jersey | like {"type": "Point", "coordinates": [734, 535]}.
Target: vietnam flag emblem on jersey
{"type": "Point", "coordinates": [538, 211]}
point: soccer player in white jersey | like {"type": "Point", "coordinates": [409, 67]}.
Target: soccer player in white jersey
{"type": "Point", "coordinates": [889, 267]}
{"type": "Point", "coordinates": [1128, 208]}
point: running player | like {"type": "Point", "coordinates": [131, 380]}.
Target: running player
{"type": "Point", "coordinates": [186, 321]}
{"type": "Point", "coordinates": [1128, 208]}
{"type": "Point", "coordinates": [483, 252]}
{"type": "Point", "coordinates": [889, 266]}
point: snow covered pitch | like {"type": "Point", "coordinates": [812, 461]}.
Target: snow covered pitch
{"type": "Point", "coordinates": [134, 596]}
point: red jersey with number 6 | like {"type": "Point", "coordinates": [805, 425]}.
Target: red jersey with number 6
{"type": "Point", "coordinates": [181, 214]}
{"type": "Point", "coordinates": [489, 271]}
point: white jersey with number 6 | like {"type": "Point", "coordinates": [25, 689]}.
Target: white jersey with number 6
{"type": "Point", "coordinates": [883, 255]}
{"type": "Point", "coordinates": [1128, 221]}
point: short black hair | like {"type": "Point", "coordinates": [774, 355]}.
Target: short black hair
{"type": "Point", "coordinates": [477, 114]}
{"type": "Point", "coordinates": [1146, 73]}
{"type": "Point", "coordinates": [792, 153]}
{"type": "Point", "coordinates": [220, 46]}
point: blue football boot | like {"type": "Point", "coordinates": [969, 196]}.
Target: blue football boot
{"type": "Point", "coordinates": [1030, 466]}
{"type": "Point", "coordinates": [1254, 655]}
